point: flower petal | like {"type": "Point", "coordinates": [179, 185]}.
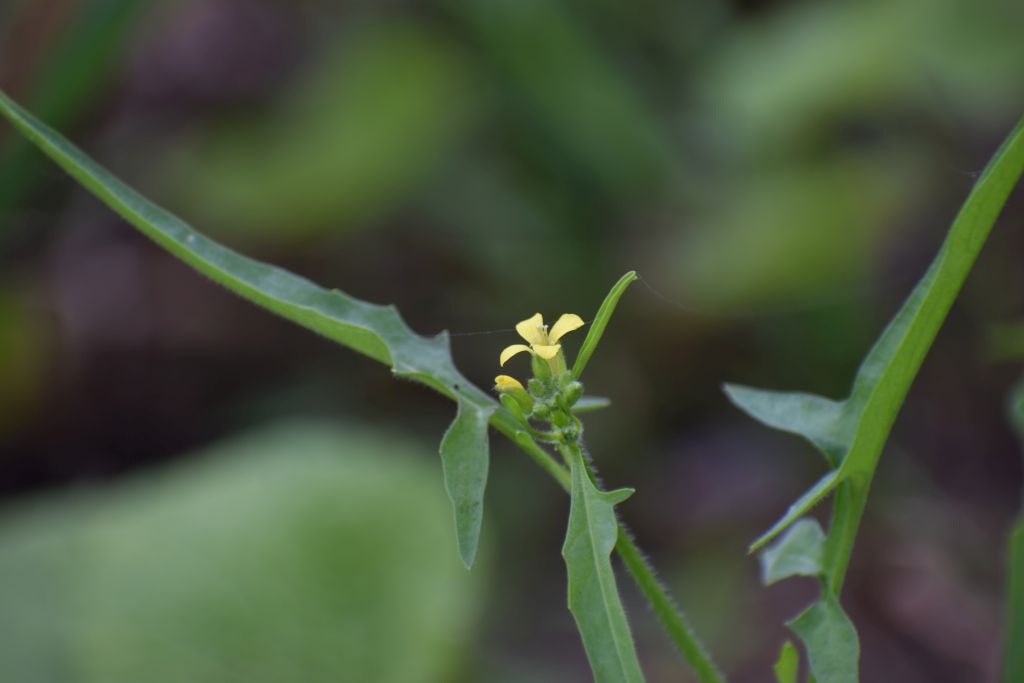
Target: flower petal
{"type": "Point", "coordinates": [547, 352]}
{"type": "Point", "coordinates": [506, 383]}
{"type": "Point", "coordinates": [511, 351]}
{"type": "Point", "coordinates": [566, 324]}
{"type": "Point", "coordinates": [532, 329]}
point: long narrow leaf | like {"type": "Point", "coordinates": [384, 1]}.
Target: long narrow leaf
{"type": "Point", "coordinates": [593, 595]}
{"type": "Point", "coordinates": [604, 314]}
{"type": "Point", "coordinates": [377, 331]}
{"type": "Point", "coordinates": [860, 426]}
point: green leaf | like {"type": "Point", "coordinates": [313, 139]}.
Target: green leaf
{"type": "Point", "coordinates": [820, 420]}
{"type": "Point", "coordinates": [465, 473]}
{"type": "Point", "coordinates": [1013, 656]}
{"type": "Point", "coordinates": [831, 641]}
{"type": "Point", "coordinates": [600, 321]}
{"type": "Point", "coordinates": [377, 331]}
{"type": "Point", "coordinates": [853, 432]}
{"type": "Point", "coordinates": [801, 507]}
{"type": "Point", "coordinates": [243, 562]}
{"type": "Point", "coordinates": [798, 553]}
{"type": "Point", "coordinates": [593, 596]}
{"type": "Point", "coordinates": [589, 404]}
{"type": "Point", "coordinates": [787, 666]}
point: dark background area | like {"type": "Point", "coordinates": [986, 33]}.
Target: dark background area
{"type": "Point", "coordinates": [779, 173]}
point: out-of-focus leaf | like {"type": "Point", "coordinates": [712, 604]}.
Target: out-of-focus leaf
{"type": "Point", "coordinates": [1013, 655]}
{"type": "Point", "coordinates": [787, 666]}
{"type": "Point", "coordinates": [600, 321]}
{"type": "Point", "coordinates": [465, 473]}
{"type": "Point", "coordinates": [589, 404]}
{"type": "Point", "coordinates": [773, 80]}
{"type": "Point", "coordinates": [371, 122]}
{"type": "Point", "coordinates": [888, 370]}
{"type": "Point", "coordinates": [593, 595]}
{"type": "Point", "coordinates": [1016, 409]}
{"type": "Point", "coordinates": [797, 553]}
{"type": "Point", "coordinates": [1006, 342]}
{"type": "Point", "coordinates": [23, 348]}
{"type": "Point", "coordinates": [67, 81]}
{"type": "Point", "coordinates": [585, 107]}
{"type": "Point", "coordinates": [377, 331]}
{"type": "Point", "coordinates": [299, 552]}
{"type": "Point", "coordinates": [805, 232]}
{"type": "Point", "coordinates": [833, 649]}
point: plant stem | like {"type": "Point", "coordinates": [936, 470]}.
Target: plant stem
{"type": "Point", "coordinates": [656, 593]}
{"type": "Point", "coordinates": [847, 511]}
{"type": "Point", "coordinates": [672, 618]}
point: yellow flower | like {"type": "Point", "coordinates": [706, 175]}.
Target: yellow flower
{"type": "Point", "coordinates": [542, 342]}
{"type": "Point", "coordinates": [506, 383]}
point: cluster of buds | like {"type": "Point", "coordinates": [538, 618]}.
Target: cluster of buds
{"type": "Point", "coordinates": [550, 394]}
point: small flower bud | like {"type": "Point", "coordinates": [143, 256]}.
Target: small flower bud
{"type": "Point", "coordinates": [512, 405]}
{"type": "Point", "coordinates": [536, 387]}
{"type": "Point", "coordinates": [560, 419]}
{"type": "Point", "coordinates": [540, 411]}
{"type": "Point", "coordinates": [510, 386]}
{"type": "Point", "coordinates": [572, 393]}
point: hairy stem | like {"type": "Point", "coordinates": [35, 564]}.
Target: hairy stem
{"type": "Point", "coordinates": [671, 616]}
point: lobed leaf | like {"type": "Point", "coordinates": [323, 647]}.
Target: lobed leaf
{"type": "Point", "coordinates": [593, 595]}
{"type": "Point", "coordinates": [831, 641]}
{"type": "Point", "coordinates": [798, 553]}
{"type": "Point", "coordinates": [600, 321]}
{"type": "Point", "coordinates": [787, 666]}
{"type": "Point", "coordinates": [374, 330]}
{"type": "Point", "coordinates": [853, 432]}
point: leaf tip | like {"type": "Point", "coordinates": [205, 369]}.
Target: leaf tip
{"type": "Point", "coordinates": [467, 555]}
{"type": "Point", "coordinates": [619, 495]}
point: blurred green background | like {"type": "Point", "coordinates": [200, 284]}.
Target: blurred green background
{"type": "Point", "coordinates": [196, 491]}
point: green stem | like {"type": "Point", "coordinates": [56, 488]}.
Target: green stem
{"type": "Point", "coordinates": [671, 616]}
{"type": "Point", "coordinates": [847, 511]}
{"type": "Point", "coordinates": [504, 422]}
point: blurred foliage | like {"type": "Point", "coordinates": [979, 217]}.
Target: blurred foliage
{"type": "Point", "coordinates": [24, 354]}
{"type": "Point", "coordinates": [376, 115]}
{"type": "Point", "coordinates": [791, 162]}
{"type": "Point", "coordinates": [299, 552]}
{"type": "Point", "coordinates": [67, 77]}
